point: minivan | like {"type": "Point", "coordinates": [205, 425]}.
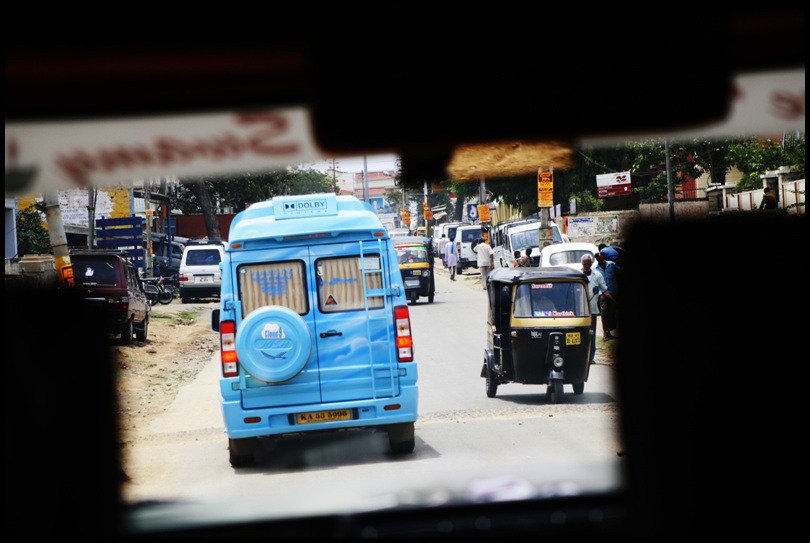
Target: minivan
{"type": "Point", "coordinates": [463, 241]}
{"type": "Point", "coordinates": [110, 282]}
{"type": "Point", "coordinates": [200, 276]}
{"type": "Point", "coordinates": [314, 325]}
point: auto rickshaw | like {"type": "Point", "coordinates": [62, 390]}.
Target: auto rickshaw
{"type": "Point", "coordinates": [539, 329]}
{"type": "Point", "coordinates": [415, 256]}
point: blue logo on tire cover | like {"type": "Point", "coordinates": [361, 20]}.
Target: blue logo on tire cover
{"type": "Point", "coordinates": [273, 344]}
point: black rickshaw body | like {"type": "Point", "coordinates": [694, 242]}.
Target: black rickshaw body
{"type": "Point", "coordinates": [415, 257]}
{"type": "Point", "coordinates": [539, 328]}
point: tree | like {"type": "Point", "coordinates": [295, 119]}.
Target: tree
{"type": "Point", "coordinates": [200, 191]}
{"type": "Point", "coordinates": [239, 192]}
{"type": "Point", "coordinates": [32, 236]}
{"type": "Point", "coordinates": [754, 156]}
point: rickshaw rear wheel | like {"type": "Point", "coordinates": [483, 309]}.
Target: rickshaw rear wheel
{"type": "Point", "coordinates": [492, 383]}
{"type": "Point", "coordinates": [430, 298]}
{"type": "Point", "coordinates": [579, 388]}
{"type": "Point", "coordinates": [554, 390]}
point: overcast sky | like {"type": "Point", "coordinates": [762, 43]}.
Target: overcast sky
{"type": "Point", "coordinates": [375, 163]}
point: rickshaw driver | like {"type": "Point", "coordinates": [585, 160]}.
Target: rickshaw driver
{"type": "Point", "coordinates": [596, 286]}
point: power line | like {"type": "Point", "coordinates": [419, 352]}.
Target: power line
{"type": "Point", "coordinates": [592, 161]}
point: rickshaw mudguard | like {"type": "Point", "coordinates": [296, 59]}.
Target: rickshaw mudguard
{"type": "Point", "coordinates": [490, 362]}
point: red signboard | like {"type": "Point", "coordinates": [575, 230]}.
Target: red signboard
{"type": "Point", "coordinates": [613, 184]}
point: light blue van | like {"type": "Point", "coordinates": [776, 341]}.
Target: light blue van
{"type": "Point", "coordinates": [314, 325]}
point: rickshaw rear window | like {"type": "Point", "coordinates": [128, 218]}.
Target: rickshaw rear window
{"type": "Point", "coordinates": [101, 272]}
{"type": "Point", "coordinates": [411, 254]}
{"type": "Point", "coordinates": [552, 299]}
{"type": "Point", "coordinates": [273, 283]}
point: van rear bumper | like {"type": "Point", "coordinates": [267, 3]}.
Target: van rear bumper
{"type": "Point", "coordinates": [281, 420]}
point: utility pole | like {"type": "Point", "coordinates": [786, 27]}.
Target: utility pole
{"type": "Point", "coordinates": [365, 179]}
{"type": "Point", "coordinates": [92, 193]}
{"type": "Point", "coordinates": [147, 260]}
{"type": "Point", "coordinates": [56, 233]}
{"type": "Point", "coordinates": [670, 187]}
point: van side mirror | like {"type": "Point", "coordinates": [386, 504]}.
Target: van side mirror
{"type": "Point", "coordinates": [215, 320]}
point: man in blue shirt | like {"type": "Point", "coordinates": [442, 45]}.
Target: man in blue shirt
{"type": "Point", "coordinates": [596, 287]}
{"type": "Point", "coordinates": [607, 304]}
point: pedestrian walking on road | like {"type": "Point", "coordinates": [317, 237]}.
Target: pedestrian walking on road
{"type": "Point", "coordinates": [485, 259]}
{"type": "Point", "coordinates": [525, 261]}
{"type": "Point", "coordinates": [451, 258]}
{"type": "Point", "coordinates": [607, 305]}
{"type": "Point", "coordinates": [596, 286]}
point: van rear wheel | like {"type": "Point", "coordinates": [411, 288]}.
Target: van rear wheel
{"type": "Point", "coordinates": [401, 438]}
{"type": "Point", "coordinates": [242, 451]}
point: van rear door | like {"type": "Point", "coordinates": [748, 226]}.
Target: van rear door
{"type": "Point", "coordinates": [354, 322]}
{"type": "Point", "coordinates": [278, 277]}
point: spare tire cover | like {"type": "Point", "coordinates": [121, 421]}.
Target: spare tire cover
{"type": "Point", "coordinates": [273, 344]}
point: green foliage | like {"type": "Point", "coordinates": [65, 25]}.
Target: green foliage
{"type": "Point", "coordinates": [32, 236]}
{"type": "Point", "coordinates": [754, 156]}
{"type": "Point", "coordinates": [255, 187]}
{"type": "Point", "coordinates": [586, 202]}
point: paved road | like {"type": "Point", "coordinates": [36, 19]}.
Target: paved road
{"type": "Point", "coordinates": [468, 446]}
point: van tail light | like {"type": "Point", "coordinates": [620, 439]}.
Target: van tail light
{"type": "Point", "coordinates": [402, 324]}
{"type": "Point", "coordinates": [227, 342]}
{"type": "Point", "coordinates": [183, 277]}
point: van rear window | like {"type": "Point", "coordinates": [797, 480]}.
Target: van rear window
{"type": "Point", "coordinates": [340, 283]}
{"type": "Point", "coordinates": [100, 272]}
{"type": "Point", "coordinates": [203, 257]}
{"type": "Point", "coordinates": [273, 283]}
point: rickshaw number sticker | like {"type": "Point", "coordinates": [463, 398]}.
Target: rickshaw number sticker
{"type": "Point", "coordinates": [572, 338]}
{"type": "Point", "coordinates": [323, 416]}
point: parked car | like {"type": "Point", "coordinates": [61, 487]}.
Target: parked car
{"type": "Point", "coordinates": [465, 237]}
{"type": "Point", "coordinates": [168, 256]}
{"type": "Point", "coordinates": [315, 328]}
{"type": "Point", "coordinates": [519, 236]}
{"type": "Point", "coordinates": [111, 282]}
{"type": "Point", "coordinates": [567, 255]}
{"type": "Point", "coordinates": [200, 276]}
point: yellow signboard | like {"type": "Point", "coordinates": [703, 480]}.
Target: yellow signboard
{"type": "Point", "coordinates": [483, 213]}
{"type": "Point", "coordinates": [545, 189]}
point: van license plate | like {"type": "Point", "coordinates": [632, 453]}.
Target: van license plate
{"type": "Point", "coordinates": [323, 416]}
{"type": "Point", "coordinates": [572, 338]}
{"type": "Point", "coordinates": [205, 279]}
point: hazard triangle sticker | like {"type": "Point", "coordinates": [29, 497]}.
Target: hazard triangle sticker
{"type": "Point", "coordinates": [330, 301]}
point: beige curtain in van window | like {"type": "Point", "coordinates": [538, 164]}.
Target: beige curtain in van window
{"type": "Point", "coordinates": [340, 284]}
{"type": "Point", "coordinates": [273, 283]}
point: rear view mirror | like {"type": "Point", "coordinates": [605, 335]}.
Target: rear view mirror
{"type": "Point", "coordinates": [215, 320]}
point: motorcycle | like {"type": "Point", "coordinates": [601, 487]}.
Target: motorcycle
{"type": "Point", "coordinates": [156, 290]}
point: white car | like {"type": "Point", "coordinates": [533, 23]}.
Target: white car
{"type": "Point", "coordinates": [200, 276]}
{"type": "Point", "coordinates": [462, 245]}
{"type": "Point", "coordinates": [567, 255]}
{"type": "Point", "coordinates": [519, 237]}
